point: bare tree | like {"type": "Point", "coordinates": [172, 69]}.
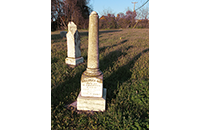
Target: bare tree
{"type": "Point", "coordinates": [63, 11]}
{"type": "Point", "coordinates": [143, 13]}
{"type": "Point", "coordinates": [130, 18]}
{"type": "Point", "coordinates": [107, 11]}
{"type": "Point", "coordinates": [108, 20]}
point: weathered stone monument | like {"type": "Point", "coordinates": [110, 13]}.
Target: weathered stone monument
{"type": "Point", "coordinates": [73, 46]}
{"type": "Point", "coordinates": [93, 95]}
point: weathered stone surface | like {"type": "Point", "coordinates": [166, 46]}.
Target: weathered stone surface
{"type": "Point", "coordinates": [93, 95]}
{"type": "Point", "coordinates": [73, 61]}
{"type": "Point", "coordinates": [93, 46]}
{"type": "Point", "coordinates": [93, 41]}
{"type": "Point", "coordinates": [92, 103]}
{"type": "Point", "coordinates": [73, 45]}
{"type": "Point", "coordinates": [91, 86]}
{"type": "Point", "coordinates": [73, 41]}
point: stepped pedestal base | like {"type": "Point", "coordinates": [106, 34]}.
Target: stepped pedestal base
{"type": "Point", "coordinates": [92, 103]}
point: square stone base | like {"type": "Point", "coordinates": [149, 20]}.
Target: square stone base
{"type": "Point", "coordinates": [92, 103]}
{"type": "Point", "coordinates": [73, 61]}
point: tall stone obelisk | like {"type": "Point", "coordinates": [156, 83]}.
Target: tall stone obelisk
{"type": "Point", "coordinates": [92, 95]}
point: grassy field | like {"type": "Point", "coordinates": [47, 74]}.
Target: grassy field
{"type": "Point", "coordinates": [124, 61]}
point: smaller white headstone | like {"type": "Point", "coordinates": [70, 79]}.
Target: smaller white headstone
{"type": "Point", "coordinates": [73, 46]}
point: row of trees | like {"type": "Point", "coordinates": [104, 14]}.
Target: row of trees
{"type": "Point", "coordinates": [127, 20]}
{"type": "Point", "coordinates": [78, 11]}
{"type": "Point", "coordinates": [63, 11]}
{"type": "Point", "coordinates": [121, 21]}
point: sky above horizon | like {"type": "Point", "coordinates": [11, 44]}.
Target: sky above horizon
{"type": "Point", "coordinates": [116, 6]}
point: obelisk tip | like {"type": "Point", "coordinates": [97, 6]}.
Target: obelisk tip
{"type": "Point", "coordinates": [94, 13]}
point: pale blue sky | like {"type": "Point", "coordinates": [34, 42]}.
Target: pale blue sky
{"type": "Point", "coordinates": [116, 6]}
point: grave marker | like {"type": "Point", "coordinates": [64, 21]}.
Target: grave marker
{"type": "Point", "coordinates": [73, 46]}
{"type": "Point", "coordinates": [92, 96]}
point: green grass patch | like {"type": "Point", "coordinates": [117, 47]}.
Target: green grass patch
{"type": "Point", "coordinates": [124, 60]}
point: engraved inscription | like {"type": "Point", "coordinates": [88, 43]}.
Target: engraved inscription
{"type": "Point", "coordinates": [91, 80]}
{"type": "Point", "coordinates": [91, 87]}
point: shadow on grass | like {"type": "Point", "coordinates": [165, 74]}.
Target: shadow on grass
{"type": "Point", "coordinates": [100, 32]}
{"type": "Point", "coordinates": [54, 60]}
{"type": "Point", "coordinates": [108, 61]}
{"type": "Point", "coordinates": [66, 88]}
{"type": "Point", "coordinates": [130, 47]}
{"type": "Point", "coordinates": [71, 84]}
{"type": "Point", "coordinates": [121, 75]}
{"type": "Point", "coordinates": [56, 37]}
{"type": "Point", "coordinates": [108, 31]}
{"type": "Point", "coordinates": [105, 47]}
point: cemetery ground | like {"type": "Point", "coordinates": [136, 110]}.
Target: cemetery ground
{"type": "Point", "coordinates": [124, 61]}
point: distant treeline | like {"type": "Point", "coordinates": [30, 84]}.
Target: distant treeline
{"type": "Point", "coordinates": [127, 20]}
{"type": "Point", "coordinates": [78, 11]}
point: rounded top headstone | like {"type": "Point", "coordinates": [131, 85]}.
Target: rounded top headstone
{"type": "Point", "coordinates": [94, 13]}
